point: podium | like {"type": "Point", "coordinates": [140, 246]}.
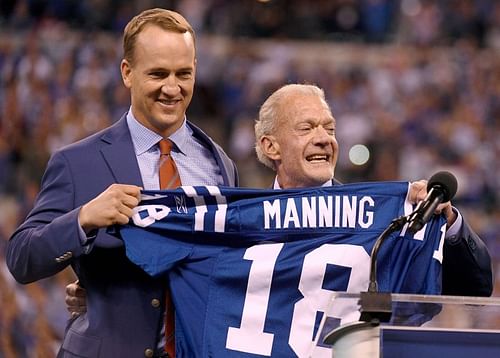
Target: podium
{"type": "Point", "coordinates": [419, 326]}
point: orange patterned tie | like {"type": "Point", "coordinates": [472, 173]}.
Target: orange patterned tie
{"type": "Point", "coordinates": [169, 179]}
{"type": "Point", "coordinates": [169, 176]}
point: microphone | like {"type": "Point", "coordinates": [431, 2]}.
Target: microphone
{"type": "Point", "coordinates": [375, 305]}
{"type": "Point", "coordinates": [441, 188]}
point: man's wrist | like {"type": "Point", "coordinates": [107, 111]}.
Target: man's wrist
{"type": "Point", "coordinates": [86, 238]}
{"type": "Point", "coordinates": [454, 229]}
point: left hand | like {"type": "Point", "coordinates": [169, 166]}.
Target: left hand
{"type": "Point", "coordinates": [76, 299]}
{"type": "Point", "coordinates": [418, 192]}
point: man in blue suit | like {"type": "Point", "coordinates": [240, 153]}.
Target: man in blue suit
{"type": "Point", "coordinates": [95, 183]}
{"type": "Point", "coordinates": [295, 136]}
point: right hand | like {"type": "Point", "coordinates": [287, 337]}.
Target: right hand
{"type": "Point", "coordinates": [76, 299]}
{"type": "Point", "coordinates": [113, 206]}
{"type": "Point", "coordinates": [418, 192]}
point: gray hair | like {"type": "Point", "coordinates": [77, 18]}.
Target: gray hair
{"type": "Point", "coordinates": [269, 114]}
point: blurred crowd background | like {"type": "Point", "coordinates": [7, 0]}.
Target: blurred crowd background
{"type": "Point", "coordinates": [414, 86]}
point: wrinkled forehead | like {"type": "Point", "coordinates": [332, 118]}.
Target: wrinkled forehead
{"type": "Point", "coordinates": [298, 107]}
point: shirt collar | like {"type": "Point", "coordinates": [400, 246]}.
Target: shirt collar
{"type": "Point", "coordinates": [144, 138]}
{"type": "Point", "coordinates": [277, 185]}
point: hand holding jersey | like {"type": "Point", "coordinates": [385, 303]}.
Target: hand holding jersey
{"type": "Point", "coordinates": [112, 207]}
{"type": "Point", "coordinates": [418, 192]}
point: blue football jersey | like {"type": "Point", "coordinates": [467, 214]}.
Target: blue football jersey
{"type": "Point", "coordinates": [252, 271]}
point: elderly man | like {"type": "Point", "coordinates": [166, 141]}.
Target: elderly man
{"type": "Point", "coordinates": [295, 136]}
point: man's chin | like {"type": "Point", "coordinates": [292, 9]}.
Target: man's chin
{"type": "Point", "coordinates": [320, 177]}
{"type": "Point", "coordinates": [169, 120]}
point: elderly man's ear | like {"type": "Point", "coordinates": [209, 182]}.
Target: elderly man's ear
{"type": "Point", "coordinates": [270, 147]}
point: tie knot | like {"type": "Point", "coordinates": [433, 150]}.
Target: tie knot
{"type": "Point", "coordinates": [165, 146]}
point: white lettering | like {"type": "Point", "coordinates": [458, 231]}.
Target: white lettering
{"type": "Point", "coordinates": [337, 211]}
{"type": "Point", "coordinates": [363, 213]}
{"type": "Point", "coordinates": [201, 208]}
{"type": "Point", "coordinates": [349, 212]}
{"type": "Point", "coordinates": [325, 211]}
{"type": "Point", "coordinates": [291, 214]}
{"type": "Point", "coordinates": [272, 212]}
{"type": "Point", "coordinates": [220, 213]}
{"type": "Point", "coordinates": [309, 212]}
{"type": "Point", "coordinates": [320, 211]}
{"type": "Point", "coordinates": [154, 213]}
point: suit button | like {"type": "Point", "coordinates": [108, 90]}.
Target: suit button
{"type": "Point", "coordinates": [155, 302]}
{"type": "Point", "coordinates": [472, 243]}
{"type": "Point", "coordinates": [66, 256]}
{"type": "Point", "coordinates": [148, 353]}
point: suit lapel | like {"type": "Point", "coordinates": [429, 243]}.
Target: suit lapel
{"type": "Point", "coordinates": [118, 152]}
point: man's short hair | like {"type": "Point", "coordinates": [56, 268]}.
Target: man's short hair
{"type": "Point", "coordinates": [166, 19]}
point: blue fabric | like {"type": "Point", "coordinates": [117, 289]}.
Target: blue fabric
{"type": "Point", "coordinates": [209, 240]}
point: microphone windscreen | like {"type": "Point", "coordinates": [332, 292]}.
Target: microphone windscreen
{"type": "Point", "coordinates": [446, 181]}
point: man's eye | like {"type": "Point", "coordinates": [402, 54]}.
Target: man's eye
{"type": "Point", "coordinates": [185, 75]}
{"type": "Point", "coordinates": [157, 74]}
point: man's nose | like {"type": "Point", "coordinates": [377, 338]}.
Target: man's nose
{"type": "Point", "coordinates": [170, 86]}
{"type": "Point", "coordinates": [322, 136]}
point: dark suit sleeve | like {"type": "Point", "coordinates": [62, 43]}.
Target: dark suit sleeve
{"type": "Point", "coordinates": [48, 240]}
{"type": "Point", "coordinates": [466, 265]}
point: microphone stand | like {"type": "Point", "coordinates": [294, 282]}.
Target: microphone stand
{"type": "Point", "coordinates": [376, 305]}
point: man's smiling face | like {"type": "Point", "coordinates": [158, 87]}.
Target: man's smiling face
{"type": "Point", "coordinates": [161, 78]}
{"type": "Point", "coordinates": [305, 143]}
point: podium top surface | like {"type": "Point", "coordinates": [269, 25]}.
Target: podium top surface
{"type": "Point", "coordinates": [440, 299]}
{"type": "Point", "coordinates": [479, 314]}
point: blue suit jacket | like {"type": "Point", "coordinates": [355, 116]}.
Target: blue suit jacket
{"type": "Point", "coordinates": [124, 304]}
{"type": "Point", "coordinates": [467, 269]}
